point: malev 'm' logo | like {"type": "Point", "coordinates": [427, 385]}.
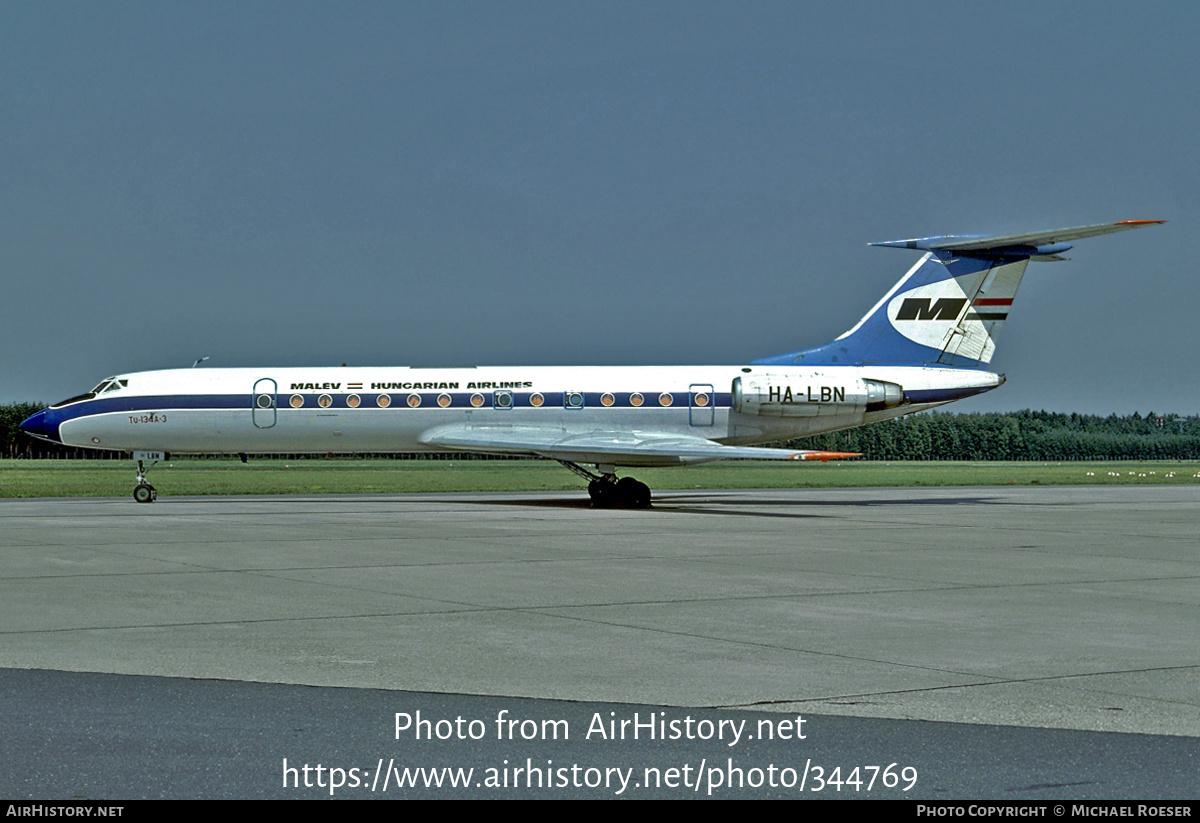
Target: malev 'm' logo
{"type": "Point", "coordinates": [929, 313]}
{"type": "Point", "coordinates": [926, 308]}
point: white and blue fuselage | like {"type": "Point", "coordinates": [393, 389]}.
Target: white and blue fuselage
{"type": "Point", "coordinates": [365, 409]}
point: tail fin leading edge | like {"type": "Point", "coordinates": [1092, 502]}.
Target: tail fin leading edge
{"type": "Point", "coordinates": [949, 308]}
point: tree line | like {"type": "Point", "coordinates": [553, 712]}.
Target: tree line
{"type": "Point", "coordinates": [1023, 435]}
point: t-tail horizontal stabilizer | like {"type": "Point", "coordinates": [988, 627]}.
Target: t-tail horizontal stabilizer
{"type": "Point", "coordinates": [949, 308]}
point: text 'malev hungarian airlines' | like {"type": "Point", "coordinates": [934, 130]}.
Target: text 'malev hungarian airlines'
{"type": "Point", "coordinates": [926, 342]}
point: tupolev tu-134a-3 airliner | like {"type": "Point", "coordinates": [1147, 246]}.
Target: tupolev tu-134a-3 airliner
{"type": "Point", "coordinates": [925, 343]}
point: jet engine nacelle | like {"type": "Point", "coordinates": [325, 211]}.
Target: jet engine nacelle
{"type": "Point", "coordinates": [813, 395]}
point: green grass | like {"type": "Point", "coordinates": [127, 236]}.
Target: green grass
{"type": "Point", "coordinates": [115, 478]}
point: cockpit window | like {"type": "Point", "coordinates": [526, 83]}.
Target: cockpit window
{"type": "Point", "coordinates": [111, 384]}
{"type": "Point", "coordinates": [106, 385]}
{"type": "Point", "coordinates": [74, 399]}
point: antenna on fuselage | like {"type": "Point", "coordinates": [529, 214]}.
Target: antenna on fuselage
{"type": "Point", "coordinates": [198, 362]}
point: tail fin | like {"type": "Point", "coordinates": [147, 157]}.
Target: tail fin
{"type": "Point", "coordinates": [950, 307]}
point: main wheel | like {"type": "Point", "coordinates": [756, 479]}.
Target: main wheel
{"type": "Point", "coordinates": [633, 493]}
{"type": "Point", "coordinates": [603, 494]}
{"type": "Point", "coordinates": [144, 493]}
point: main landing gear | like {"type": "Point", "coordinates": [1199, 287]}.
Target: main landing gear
{"type": "Point", "coordinates": [607, 492]}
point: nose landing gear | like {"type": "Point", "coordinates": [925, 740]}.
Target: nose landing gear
{"type": "Point", "coordinates": [143, 492]}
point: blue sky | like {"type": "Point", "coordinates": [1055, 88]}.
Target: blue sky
{"type": "Point", "coordinates": [410, 183]}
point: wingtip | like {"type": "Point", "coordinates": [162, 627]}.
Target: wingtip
{"type": "Point", "coordinates": [1138, 222]}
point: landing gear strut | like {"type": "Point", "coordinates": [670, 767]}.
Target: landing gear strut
{"type": "Point", "coordinates": [607, 492]}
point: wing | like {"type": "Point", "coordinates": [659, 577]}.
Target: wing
{"type": "Point", "coordinates": [617, 448]}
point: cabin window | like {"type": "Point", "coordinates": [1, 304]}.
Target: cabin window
{"type": "Point", "coordinates": [636, 399]}
{"type": "Point", "coordinates": [296, 401]}
{"type": "Point", "coordinates": [414, 400]}
{"type": "Point", "coordinates": [536, 399]}
{"type": "Point", "coordinates": [502, 400]}
{"type": "Point", "coordinates": [607, 399]}
{"type": "Point", "coordinates": [665, 399]}
{"type": "Point", "coordinates": [353, 400]}
{"type": "Point", "coordinates": [573, 399]}
{"type": "Point", "coordinates": [324, 401]}
{"type": "Point", "coordinates": [264, 401]}
{"type": "Point", "coordinates": [477, 400]}
{"type": "Point", "coordinates": [383, 401]}
{"type": "Point", "coordinates": [443, 400]}
{"type": "Point", "coordinates": [700, 399]}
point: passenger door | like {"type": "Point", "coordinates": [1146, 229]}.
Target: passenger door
{"type": "Point", "coordinates": [263, 403]}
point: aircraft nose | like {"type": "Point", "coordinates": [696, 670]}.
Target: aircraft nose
{"type": "Point", "coordinates": [39, 425]}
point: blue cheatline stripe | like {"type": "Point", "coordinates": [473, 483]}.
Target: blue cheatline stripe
{"type": "Point", "coordinates": [399, 402]}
